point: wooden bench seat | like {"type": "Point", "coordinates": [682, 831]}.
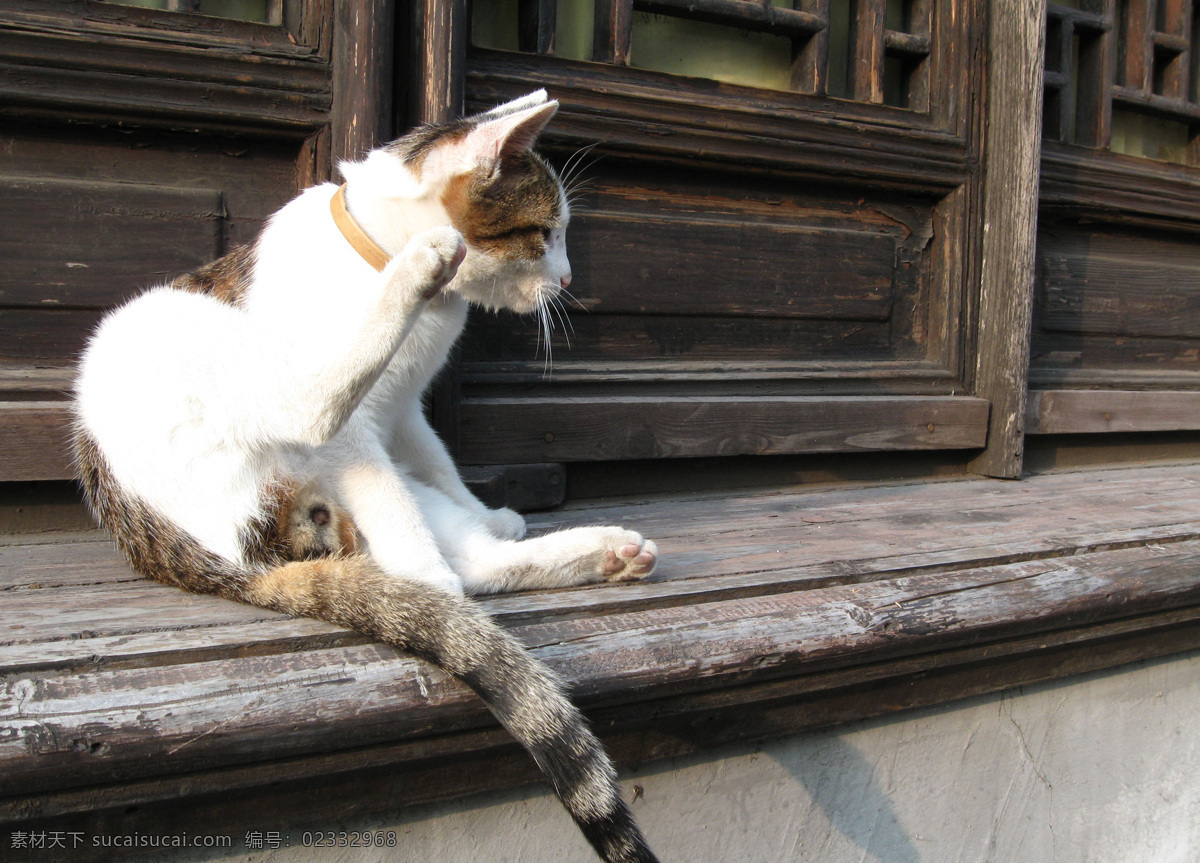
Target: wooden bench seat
{"type": "Point", "coordinates": [773, 611]}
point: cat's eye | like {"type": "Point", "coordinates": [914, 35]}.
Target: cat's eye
{"type": "Point", "coordinates": [546, 233]}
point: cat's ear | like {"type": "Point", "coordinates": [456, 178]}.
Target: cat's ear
{"type": "Point", "coordinates": [498, 138]}
{"type": "Point", "coordinates": [537, 97]}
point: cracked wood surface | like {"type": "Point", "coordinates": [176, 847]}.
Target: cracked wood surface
{"type": "Point", "coordinates": [849, 599]}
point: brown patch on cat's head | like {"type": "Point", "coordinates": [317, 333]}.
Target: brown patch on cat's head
{"type": "Point", "coordinates": [507, 214]}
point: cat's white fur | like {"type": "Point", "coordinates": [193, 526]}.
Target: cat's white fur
{"type": "Point", "coordinates": [197, 403]}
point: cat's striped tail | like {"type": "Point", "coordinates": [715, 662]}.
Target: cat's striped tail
{"type": "Point", "coordinates": [458, 637]}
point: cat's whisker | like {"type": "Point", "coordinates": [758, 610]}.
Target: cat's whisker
{"type": "Point", "coordinates": [565, 323]}
{"type": "Point", "coordinates": [575, 161]}
{"type": "Point", "coordinates": [564, 317]}
{"type": "Point", "coordinates": [544, 332]}
{"type": "Point", "coordinates": [570, 296]}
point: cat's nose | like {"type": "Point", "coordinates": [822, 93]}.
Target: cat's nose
{"type": "Point", "coordinates": [565, 281]}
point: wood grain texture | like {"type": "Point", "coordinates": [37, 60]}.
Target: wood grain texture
{"type": "Point", "coordinates": [72, 243]}
{"type": "Point", "coordinates": [1103, 410]}
{"type": "Point", "coordinates": [35, 441]}
{"type": "Point", "coordinates": [954, 588]}
{"type": "Point", "coordinates": [1012, 151]}
{"type": "Point", "coordinates": [1114, 283]}
{"type": "Point", "coordinates": [362, 77]}
{"type": "Point", "coordinates": [714, 266]}
{"type": "Point", "coordinates": [598, 428]}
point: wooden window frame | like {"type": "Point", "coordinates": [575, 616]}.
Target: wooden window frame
{"type": "Point", "coordinates": [922, 152]}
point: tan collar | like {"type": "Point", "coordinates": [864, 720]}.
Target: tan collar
{"type": "Point", "coordinates": [353, 232]}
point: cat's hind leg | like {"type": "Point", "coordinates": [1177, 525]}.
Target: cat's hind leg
{"type": "Point", "coordinates": [488, 564]}
{"type": "Point", "coordinates": [579, 555]}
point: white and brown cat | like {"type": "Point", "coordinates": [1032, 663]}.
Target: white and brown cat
{"type": "Point", "coordinates": [254, 429]}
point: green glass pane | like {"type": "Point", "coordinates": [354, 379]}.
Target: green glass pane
{"type": "Point", "coordinates": [574, 28]}
{"type": "Point", "coordinates": [709, 51]}
{"type": "Point", "coordinates": [242, 10]}
{"type": "Point", "coordinates": [1136, 134]}
{"type": "Point", "coordinates": [494, 24]}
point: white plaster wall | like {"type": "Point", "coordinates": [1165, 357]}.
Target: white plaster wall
{"type": "Point", "coordinates": [1099, 769]}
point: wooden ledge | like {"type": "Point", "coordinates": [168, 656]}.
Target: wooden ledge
{"type": "Point", "coordinates": [773, 611]}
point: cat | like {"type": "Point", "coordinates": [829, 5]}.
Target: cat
{"type": "Point", "coordinates": [255, 429]}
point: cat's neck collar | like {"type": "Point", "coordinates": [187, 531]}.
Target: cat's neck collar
{"type": "Point", "coordinates": [367, 248]}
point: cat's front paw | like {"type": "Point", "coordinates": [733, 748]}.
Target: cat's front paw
{"type": "Point", "coordinates": [505, 523]}
{"type": "Point", "coordinates": [630, 558]}
{"type": "Point", "coordinates": [432, 259]}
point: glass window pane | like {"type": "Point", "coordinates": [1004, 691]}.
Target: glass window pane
{"type": "Point", "coordinates": [1150, 138]}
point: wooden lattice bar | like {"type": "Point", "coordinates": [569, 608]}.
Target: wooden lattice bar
{"type": "Point", "coordinates": [912, 47]}
{"type": "Point", "coordinates": [536, 21]}
{"type": "Point", "coordinates": [810, 57]}
{"type": "Point", "coordinates": [867, 34]}
{"type": "Point", "coordinates": [613, 31]}
{"type": "Point", "coordinates": [742, 14]}
{"type": "Point", "coordinates": [1079, 73]}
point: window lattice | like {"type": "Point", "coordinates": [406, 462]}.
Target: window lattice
{"type": "Point", "coordinates": [877, 51]}
{"type": "Point", "coordinates": [1124, 74]}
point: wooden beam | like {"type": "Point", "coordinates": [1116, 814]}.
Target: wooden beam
{"type": "Point", "coordinates": [1098, 411]}
{"type": "Point", "coordinates": [363, 38]}
{"type": "Point", "coordinates": [548, 429]}
{"type": "Point", "coordinates": [440, 51]}
{"type": "Point", "coordinates": [1011, 155]}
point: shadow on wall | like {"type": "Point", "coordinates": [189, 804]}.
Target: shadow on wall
{"type": "Point", "coordinates": [842, 784]}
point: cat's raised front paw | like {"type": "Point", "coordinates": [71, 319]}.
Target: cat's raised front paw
{"type": "Point", "coordinates": [433, 257]}
{"type": "Point", "coordinates": [634, 558]}
{"type": "Point", "coordinates": [505, 523]}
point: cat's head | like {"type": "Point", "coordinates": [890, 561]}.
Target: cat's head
{"type": "Point", "coordinates": [480, 175]}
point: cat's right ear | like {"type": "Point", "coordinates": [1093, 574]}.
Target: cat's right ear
{"type": "Point", "coordinates": [537, 97]}
{"type": "Point", "coordinates": [495, 139]}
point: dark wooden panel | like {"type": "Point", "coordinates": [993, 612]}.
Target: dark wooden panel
{"type": "Point", "coordinates": [49, 334]}
{"type": "Point", "coordinates": [716, 267]}
{"type": "Point", "coordinates": [1093, 411]}
{"type": "Point", "coordinates": [34, 441]}
{"type": "Point", "coordinates": [586, 429]}
{"type": "Point", "coordinates": [1119, 284]}
{"type": "Point", "coordinates": [93, 244]}
{"type": "Point", "coordinates": [591, 337]}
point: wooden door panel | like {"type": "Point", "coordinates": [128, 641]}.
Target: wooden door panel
{"type": "Point", "coordinates": [94, 243]}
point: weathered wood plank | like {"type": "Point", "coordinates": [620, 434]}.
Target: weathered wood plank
{"type": "Point", "coordinates": [61, 562]}
{"type": "Point", "coordinates": [66, 730]}
{"type": "Point", "coordinates": [1098, 411]}
{"type": "Point", "coordinates": [35, 441]}
{"type": "Point", "coordinates": [585, 429]}
{"type": "Point", "coordinates": [714, 548]}
{"type": "Point", "coordinates": [35, 615]}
